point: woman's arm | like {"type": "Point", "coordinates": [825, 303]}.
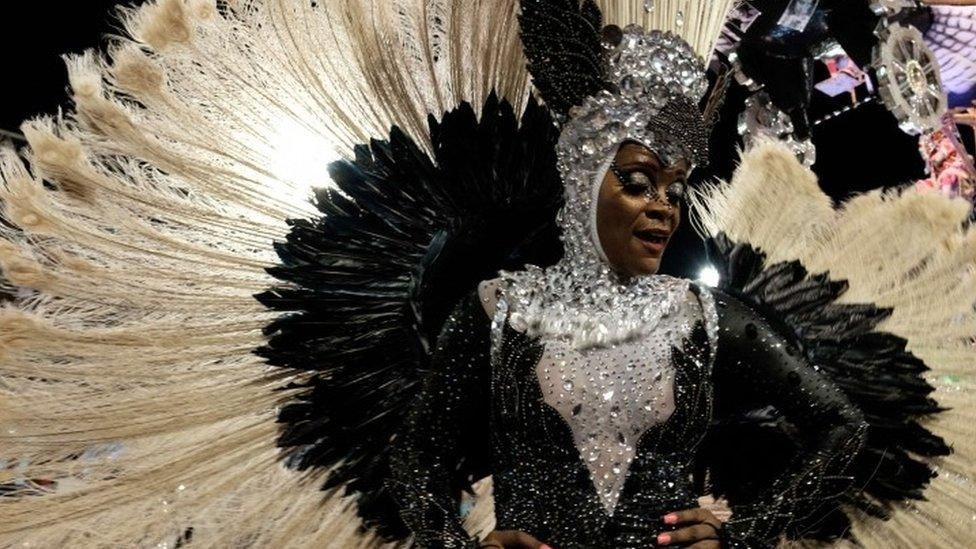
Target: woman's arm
{"type": "Point", "coordinates": [755, 367]}
{"type": "Point", "coordinates": [445, 431]}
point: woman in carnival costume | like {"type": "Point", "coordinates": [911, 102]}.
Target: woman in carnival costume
{"type": "Point", "coordinates": [474, 296]}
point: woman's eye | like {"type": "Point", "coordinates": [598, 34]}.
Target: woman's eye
{"type": "Point", "coordinates": [639, 178]}
{"type": "Point", "coordinates": [635, 189]}
{"type": "Point", "coordinates": [635, 183]}
{"type": "Point", "coordinates": [676, 192]}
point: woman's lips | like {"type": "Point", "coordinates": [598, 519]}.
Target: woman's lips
{"type": "Point", "coordinates": [653, 241]}
{"type": "Point", "coordinates": [656, 248]}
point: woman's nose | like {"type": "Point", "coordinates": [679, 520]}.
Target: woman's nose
{"type": "Point", "coordinates": [658, 210]}
{"type": "Point", "coordinates": [657, 199]}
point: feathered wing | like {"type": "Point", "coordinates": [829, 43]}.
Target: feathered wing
{"type": "Point", "coordinates": [880, 295]}
{"type": "Point", "coordinates": [371, 281]}
{"type": "Point", "coordinates": [139, 226]}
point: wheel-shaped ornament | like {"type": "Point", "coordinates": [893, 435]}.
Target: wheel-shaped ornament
{"type": "Point", "coordinates": [909, 80]}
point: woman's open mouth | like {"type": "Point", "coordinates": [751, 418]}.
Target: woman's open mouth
{"type": "Point", "coordinates": [655, 240]}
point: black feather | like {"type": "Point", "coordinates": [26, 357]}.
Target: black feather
{"type": "Point", "coordinates": [368, 284]}
{"type": "Point", "coordinates": [873, 368]}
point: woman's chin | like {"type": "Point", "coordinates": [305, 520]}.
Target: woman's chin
{"type": "Point", "coordinates": [647, 263]}
{"type": "Point", "coordinates": [648, 266]}
{"type": "Point", "coordinates": [637, 262]}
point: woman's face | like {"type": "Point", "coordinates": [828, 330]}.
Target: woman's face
{"type": "Point", "coordinates": [635, 220]}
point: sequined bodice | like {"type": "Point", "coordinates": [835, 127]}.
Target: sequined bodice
{"type": "Point", "coordinates": [602, 438]}
{"type": "Point", "coordinates": [513, 385]}
{"type": "Point", "coordinates": [609, 397]}
{"type": "Point", "coordinates": [491, 377]}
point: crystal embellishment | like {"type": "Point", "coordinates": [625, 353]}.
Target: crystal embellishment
{"type": "Point", "coordinates": [618, 393]}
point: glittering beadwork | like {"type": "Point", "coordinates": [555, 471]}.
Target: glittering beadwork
{"type": "Point", "coordinates": [607, 434]}
{"type": "Point", "coordinates": [577, 458]}
{"type": "Point", "coordinates": [657, 81]}
{"type": "Point", "coordinates": [611, 396]}
{"type": "Point", "coordinates": [582, 301]}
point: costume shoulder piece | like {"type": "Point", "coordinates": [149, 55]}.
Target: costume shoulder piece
{"type": "Point", "coordinates": [863, 291]}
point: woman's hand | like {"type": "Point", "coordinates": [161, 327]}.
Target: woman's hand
{"type": "Point", "coordinates": [700, 529]}
{"type": "Point", "coordinates": [511, 539]}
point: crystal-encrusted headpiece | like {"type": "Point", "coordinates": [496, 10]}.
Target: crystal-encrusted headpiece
{"type": "Point", "coordinates": [609, 85]}
{"type": "Point", "coordinates": [656, 82]}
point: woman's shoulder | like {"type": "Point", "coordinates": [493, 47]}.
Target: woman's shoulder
{"type": "Point", "coordinates": [489, 291]}
{"type": "Point", "coordinates": [699, 304]}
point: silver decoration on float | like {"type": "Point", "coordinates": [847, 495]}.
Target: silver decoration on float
{"type": "Point", "coordinates": [889, 8]}
{"type": "Point", "coordinates": [909, 79]}
{"type": "Point", "coordinates": [763, 120]}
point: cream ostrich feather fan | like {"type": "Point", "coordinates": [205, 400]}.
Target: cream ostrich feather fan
{"type": "Point", "coordinates": [140, 229]}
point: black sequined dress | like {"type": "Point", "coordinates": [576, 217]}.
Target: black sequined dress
{"type": "Point", "coordinates": [486, 378]}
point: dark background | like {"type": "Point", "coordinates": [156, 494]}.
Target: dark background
{"type": "Point", "coordinates": [860, 150]}
{"type": "Point", "coordinates": [33, 36]}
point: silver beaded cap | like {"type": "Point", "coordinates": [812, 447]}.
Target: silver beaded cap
{"type": "Point", "coordinates": [660, 83]}
{"type": "Point", "coordinates": [657, 82]}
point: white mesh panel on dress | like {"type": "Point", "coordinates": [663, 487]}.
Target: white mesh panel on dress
{"type": "Point", "coordinates": [610, 396]}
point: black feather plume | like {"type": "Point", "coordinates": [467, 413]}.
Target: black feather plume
{"type": "Point", "coordinates": [873, 368]}
{"type": "Point", "coordinates": [368, 284]}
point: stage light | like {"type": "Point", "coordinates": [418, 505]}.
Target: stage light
{"type": "Point", "coordinates": [709, 276]}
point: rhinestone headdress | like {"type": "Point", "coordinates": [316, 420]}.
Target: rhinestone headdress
{"type": "Point", "coordinates": [656, 82]}
{"type": "Point", "coordinates": [607, 86]}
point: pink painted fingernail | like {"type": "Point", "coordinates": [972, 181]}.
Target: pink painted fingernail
{"type": "Point", "coordinates": [544, 546]}
{"type": "Point", "coordinates": [670, 518]}
{"type": "Point", "coordinates": [663, 539]}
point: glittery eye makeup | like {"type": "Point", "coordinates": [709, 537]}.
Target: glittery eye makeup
{"type": "Point", "coordinates": [641, 179]}
{"type": "Point", "coordinates": [633, 181]}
